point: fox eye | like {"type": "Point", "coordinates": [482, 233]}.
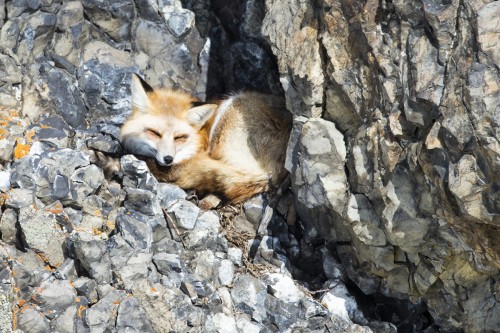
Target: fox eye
{"type": "Point", "coordinates": [153, 132]}
{"type": "Point", "coordinates": [181, 138]}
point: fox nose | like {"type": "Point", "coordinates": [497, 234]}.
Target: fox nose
{"type": "Point", "coordinates": [168, 159]}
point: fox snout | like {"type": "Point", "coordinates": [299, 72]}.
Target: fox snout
{"type": "Point", "coordinates": [143, 147]}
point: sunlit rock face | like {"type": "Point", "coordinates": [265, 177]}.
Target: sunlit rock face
{"type": "Point", "coordinates": [393, 159]}
{"type": "Point", "coordinates": [413, 88]}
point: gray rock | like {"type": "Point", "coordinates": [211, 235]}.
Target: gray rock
{"type": "Point", "coordinates": [303, 89]}
{"type": "Point", "coordinates": [225, 272]}
{"type": "Point", "coordinates": [104, 79]}
{"type": "Point", "coordinates": [168, 193]}
{"type": "Point", "coordinates": [136, 175]}
{"type": "Point", "coordinates": [42, 233]}
{"type": "Point", "coordinates": [93, 256]}
{"type": "Point", "coordinates": [249, 296]}
{"type": "Point", "coordinates": [365, 223]}
{"type": "Point", "coordinates": [66, 321]}
{"type": "Point", "coordinates": [104, 143]}
{"type": "Point", "coordinates": [154, 40]}
{"type": "Point", "coordinates": [86, 287]}
{"type": "Point", "coordinates": [142, 201]}
{"type": "Point", "coordinates": [280, 313]}
{"type": "Point", "coordinates": [254, 209]}
{"type": "Point", "coordinates": [179, 20]}
{"type": "Point", "coordinates": [8, 229]}
{"type": "Point", "coordinates": [32, 321]}
{"type": "Point", "coordinates": [66, 271]}
{"type": "Point", "coordinates": [319, 180]}
{"type": "Point", "coordinates": [55, 296]}
{"type": "Point", "coordinates": [6, 306]}
{"type": "Point", "coordinates": [135, 271]}
{"type": "Point", "coordinates": [488, 32]}
{"type": "Point", "coordinates": [185, 213]}
{"type": "Point", "coordinates": [283, 287]}
{"type": "Point", "coordinates": [86, 181]}
{"type": "Point", "coordinates": [341, 304]}
{"type": "Point", "coordinates": [132, 317]}
{"type": "Point", "coordinates": [332, 268]}
{"type": "Point", "coordinates": [65, 98]}
{"type": "Point", "coordinates": [102, 316]}
{"type": "Point", "coordinates": [235, 255]}
{"type": "Point", "coordinates": [220, 322]}
{"type": "Point", "coordinates": [135, 229]}
{"type": "Point", "coordinates": [188, 289]}
{"type": "Point", "coordinates": [20, 197]}
{"type": "Point", "coordinates": [168, 262]}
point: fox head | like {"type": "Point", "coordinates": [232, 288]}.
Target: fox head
{"type": "Point", "coordinates": [164, 124]}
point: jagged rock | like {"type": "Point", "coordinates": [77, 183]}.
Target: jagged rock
{"type": "Point", "coordinates": [136, 175]}
{"type": "Point", "coordinates": [185, 213]}
{"type": "Point", "coordinates": [487, 31]}
{"type": "Point", "coordinates": [410, 210]}
{"type": "Point", "coordinates": [235, 255]}
{"type": "Point", "coordinates": [8, 229]}
{"type": "Point", "coordinates": [142, 201]}
{"type": "Point", "coordinates": [86, 287]}
{"type": "Point", "coordinates": [303, 89]}
{"type": "Point", "coordinates": [131, 317]}
{"type": "Point", "coordinates": [67, 270]}
{"type": "Point", "coordinates": [66, 321]}
{"type": "Point", "coordinates": [332, 268]}
{"type": "Point", "coordinates": [32, 321]}
{"type": "Point", "coordinates": [249, 296]}
{"type": "Point", "coordinates": [6, 306]}
{"type": "Point", "coordinates": [319, 179]}
{"type": "Point", "coordinates": [179, 20]}
{"type": "Point", "coordinates": [167, 262]}
{"type": "Point", "coordinates": [225, 272]}
{"type": "Point", "coordinates": [55, 296]}
{"type": "Point", "coordinates": [221, 323]}
{"type": "Point", "coordinates": [168, 193]}
{"type": "Point", "coordinates": [20, 197]}
{"type": "Point", "coordinates": [102, 315]}
{"type": "Point", "coordinates": [104, 143]}
{"type": "Point", "coordinates": [206, 234]}
{"type": "Point", "coordinates": [341, 304]}
{"type": "Point", "coordinates": [93, 256]}
{"type": "Point", "coordinates": [365, 223]}
{"type": "Point", "coordinates": [108, 68]}
{"type": "Point", "coordinates": [135, 229]}
{"type": "Point", "coordinates": [153, 41]}
{"type": "Point", "coordinates": [254, 209]}
{"type": "Point", "coordinates": [42, 233]}
{"type": "Point", "coordinates": [281, 313]}
{"type": "Point", "coordinates": [282, 287]}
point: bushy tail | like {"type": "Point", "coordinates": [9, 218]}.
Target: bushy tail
{"type": "Point", "coordinates": [208, 175]}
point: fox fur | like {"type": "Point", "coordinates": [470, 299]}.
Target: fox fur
{"type": "Point", "coordinates": [235, 147]}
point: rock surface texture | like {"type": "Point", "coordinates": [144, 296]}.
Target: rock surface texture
{"type": "Point", "coordinates": [392, 223]}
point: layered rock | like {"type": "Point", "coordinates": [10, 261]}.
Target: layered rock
{"type": "Point", "coordinates": [413, 88]}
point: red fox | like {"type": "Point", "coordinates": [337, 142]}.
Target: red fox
{"type": "Point", "coordinates": [235, 148]}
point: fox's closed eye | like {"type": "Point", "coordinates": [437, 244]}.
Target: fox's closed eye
{"type": "Point", "coordinates": [153, 132]}
{"type": "Point", "coordinates": [181, 137]}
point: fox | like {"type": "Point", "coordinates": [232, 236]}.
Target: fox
{"type": "Point", "coordinates": [235, 147]}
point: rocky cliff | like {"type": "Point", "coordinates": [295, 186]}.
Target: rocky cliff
{"type": "Point", "coordinates": [395, 197]}
{"type": "Point", "coordinates": [396, 144]}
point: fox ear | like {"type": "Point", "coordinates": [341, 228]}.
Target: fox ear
{"type": "Point", "coordinates": [199, 115]}
{"type": "Point", "coordinates": [140, 90]}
